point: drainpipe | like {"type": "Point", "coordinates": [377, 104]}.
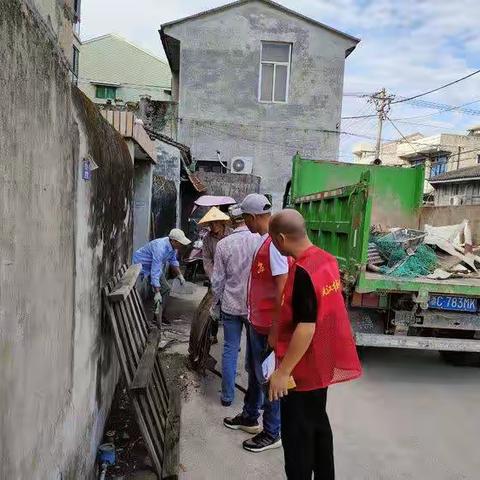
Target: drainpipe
{"type": "Point", "coordinates": [458, 157]}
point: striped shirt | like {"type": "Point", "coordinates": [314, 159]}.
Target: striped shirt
{"type": "Point", "coordinates": [231, 270]}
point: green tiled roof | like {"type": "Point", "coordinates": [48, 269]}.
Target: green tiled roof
{"type": "Point", "coordinates": [112, 59]}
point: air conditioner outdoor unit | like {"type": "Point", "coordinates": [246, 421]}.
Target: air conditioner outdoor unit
{"type": "Point", "coordinates": [242, 165]}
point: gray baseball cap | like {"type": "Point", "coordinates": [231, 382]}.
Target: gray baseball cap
{"type": "Point", "coordinates": [256, 204]}
{"type": "Point", "coordinates": [235, 213]}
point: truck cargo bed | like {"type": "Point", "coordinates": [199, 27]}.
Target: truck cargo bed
{"type": "Point", "coordinates": [370, 282]}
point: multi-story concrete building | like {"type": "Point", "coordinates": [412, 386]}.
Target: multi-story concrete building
{"type": "Point", "coordinates": [255, 83]}
{"type": "Point", "coordinates": [442, 153]}
{"type": "Point", "coordinates": [114, 70]}
{"type": "Point", "coordinates": [63, 20]}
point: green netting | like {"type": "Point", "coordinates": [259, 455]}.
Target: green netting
{"type": "Point", "coordinates": [399, 264]}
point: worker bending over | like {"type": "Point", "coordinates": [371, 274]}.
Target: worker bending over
{"type": "Point", "coordinates": [154, 257]}
{"type": "Point", "coordinates": [268, 275]}
{"type": "Point", "coordinates": [315, 346]}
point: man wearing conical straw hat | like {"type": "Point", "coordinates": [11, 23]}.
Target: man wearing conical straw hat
{"type": "Point", "coordinates": [218, 225]}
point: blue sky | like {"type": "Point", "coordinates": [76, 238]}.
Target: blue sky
{"type": "Point", "coordinates": [408, 46]}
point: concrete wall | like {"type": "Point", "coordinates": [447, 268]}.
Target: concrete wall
{"type": "Point", "coordinates": [218, 98]}
{"type": "Point", "coordinates": [168, 166]}
{"type": "Point", "coordinates": [230, 184]}
{"type": "Point", "coordinates": [61, 239]}
{"type": "Point", "coordinates": [104, 229]}
{"type": "Point", "coordinates": [142, 203]}
{"type": "Point", "coordinates": [59, 17]}
{"type": "Point", "coordinates": [468, 193]}
{"type": "Point", "coordinates": [438, 216]}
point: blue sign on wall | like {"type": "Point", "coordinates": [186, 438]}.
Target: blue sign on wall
{"type": "Point", "coordinates": [86, 170]}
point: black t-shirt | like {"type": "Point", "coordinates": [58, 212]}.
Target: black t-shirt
{"type": "Point", "coordinates": [304, 299]}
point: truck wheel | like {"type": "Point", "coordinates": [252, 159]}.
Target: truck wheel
{"type": "Point", "coordinates": [461, 359]}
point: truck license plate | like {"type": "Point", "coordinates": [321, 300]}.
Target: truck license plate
{"type": "Point", "coordinates": [447, 302]}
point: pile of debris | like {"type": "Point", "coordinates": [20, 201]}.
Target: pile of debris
{"type": "Point", "coordinates": [435, 253]}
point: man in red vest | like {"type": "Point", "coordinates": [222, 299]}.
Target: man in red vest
{"type": "Point", "coordinates": [267, 278]}
{"type": "Point", "coordinates": [315, 346]}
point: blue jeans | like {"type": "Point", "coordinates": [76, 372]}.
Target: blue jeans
{"type": "Point", "coordinates": [257, 397]}
{"type": "Point", "coordinates": [232, 333]}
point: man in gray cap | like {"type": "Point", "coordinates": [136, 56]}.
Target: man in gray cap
{"type": "Point", "coordinates": [268, 275]}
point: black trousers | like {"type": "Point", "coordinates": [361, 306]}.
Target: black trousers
{"type": "Point", "coordinates": [307, 436]}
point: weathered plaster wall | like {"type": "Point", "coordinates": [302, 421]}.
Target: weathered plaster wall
{"type": "Point", "coordinates": [104, 232]}
{"type": "Point", "coordinates": [230, 184]}
{"type": "Point", "coordinates": [61, 239]}
{"type": "Point", "coordinates": [59, 16]}
{"type": "Point", "coordinates": [448, 215]}
{"type": "Point", "coordinates": [161, 117]}
{"type": "Point", "coordinates": [168, 166]}
{"type": "Point", "coordinates": [142, 203]}
{"type": "Point", "coordinates": [218, 99]}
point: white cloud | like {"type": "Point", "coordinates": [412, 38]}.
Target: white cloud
{"type": "Point", "coordinates": [408, 46]}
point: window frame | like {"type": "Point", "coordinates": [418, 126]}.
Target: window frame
{"type": "Point", "coordinates": [287, 64]}
{"type": "Point", "coordinates": [436, 166]}
{"type": "Point", "coordinates": [75, 63]}
{"type": "Point", "coordinates": [115, 88]}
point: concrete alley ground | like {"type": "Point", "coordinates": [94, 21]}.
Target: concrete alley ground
{"type": "Point", "coordinates": [410, 417]}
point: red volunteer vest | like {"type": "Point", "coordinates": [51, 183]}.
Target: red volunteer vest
{"type": "Point", "coordinates": [261, 293]}
{"type": "Point", "coordinates": [332, 355]}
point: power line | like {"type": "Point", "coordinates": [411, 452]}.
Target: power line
{"type": "Point", "coordinates": [212, 129]}
{"type": "Point", "coordinates": [402, 135]}
{"type": "Point", "coordinates": [359, 116]}
{"type": "Point", "coordinates": [456, 107]}
{"type": "Point", "coordinates": [438, 88]}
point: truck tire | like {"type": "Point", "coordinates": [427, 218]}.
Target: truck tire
{"type": "Point", "coordinates": [461, 359]}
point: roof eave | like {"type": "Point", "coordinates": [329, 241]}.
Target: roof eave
{"type": "Point", "coordinates": [268, 2]}
{"type": "Point", "coordinates": [455, 180]}
{"type": "Point", "coordinates": [166, 49]}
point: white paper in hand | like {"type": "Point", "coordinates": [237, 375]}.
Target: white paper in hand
{"type": "Point", "coordinates": [268, 366]}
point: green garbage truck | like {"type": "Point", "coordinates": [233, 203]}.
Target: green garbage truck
{"type": "Point", "coordinates": [343, 204]}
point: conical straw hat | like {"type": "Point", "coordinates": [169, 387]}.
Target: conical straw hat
{"type": "Point", "coordinates": [214, 215]}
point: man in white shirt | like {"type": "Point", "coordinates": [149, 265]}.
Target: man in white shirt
{"type": "Point", "coordinates": [267, 279]}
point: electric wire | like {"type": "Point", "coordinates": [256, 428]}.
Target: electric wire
{"type": "Point", "coordinates": [436, 89]}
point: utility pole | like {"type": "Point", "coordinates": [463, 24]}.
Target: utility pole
{"type": "Point", "coordinates": [382, 102]}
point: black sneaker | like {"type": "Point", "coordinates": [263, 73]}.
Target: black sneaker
{"type": "Point", "coordinates": [241, 423]}
{"type": "Point", "coordinates": [226, 403]}
{"type": "Point", "coordinates": [261, 442]}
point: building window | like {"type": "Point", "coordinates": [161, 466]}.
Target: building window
{"type": "Point", "coordinates": [75, 63]}
{"type": "Point", "coordinates": [275, 72]}
{"type": "Point", "coordinates": [106, 93]}
{"type": "Point", "coordinates": [478, 157]}
{"type": "Point", "coordinates": [439, 166]}
{"type": "Point", "coordinates": [417, 161]}
{"type": "Point", "coordinates": [76, 11]}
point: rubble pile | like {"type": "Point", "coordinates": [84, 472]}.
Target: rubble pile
{"type": "Point", "coordinates": [436, 252]}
